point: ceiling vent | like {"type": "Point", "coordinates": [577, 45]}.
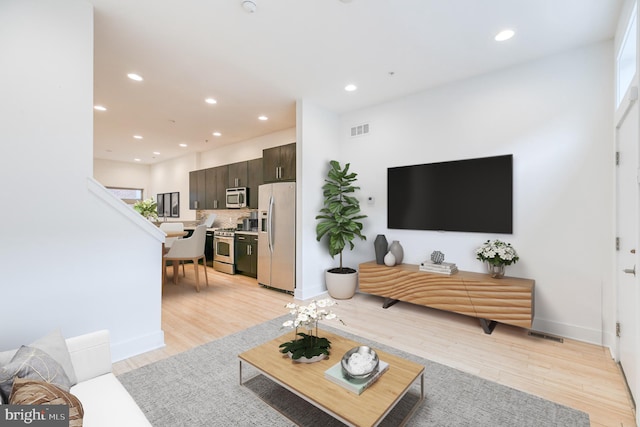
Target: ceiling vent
{"type": "Point", "coordinates": [360, 130]}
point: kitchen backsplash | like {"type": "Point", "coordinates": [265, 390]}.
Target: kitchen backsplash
{"type": "Point", "coordinates": [225, 218]}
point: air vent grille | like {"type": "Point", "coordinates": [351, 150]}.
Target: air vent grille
{"type": "Point", "coordinates": [545, 336]}
{"type": "Point", "coordinates": [360, 130]}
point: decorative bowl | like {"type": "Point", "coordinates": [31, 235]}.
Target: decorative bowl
{"type": "Point", "coordinates": [360, 363]}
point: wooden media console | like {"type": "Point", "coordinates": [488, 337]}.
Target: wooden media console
{"type": "Point", "coordinates": [509, 300]}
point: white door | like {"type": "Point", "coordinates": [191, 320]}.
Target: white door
{"type": "Point", "coordinates": [628, 220]}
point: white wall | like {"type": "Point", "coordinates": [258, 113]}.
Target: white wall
{"type": "Point", "coordinates": [317, 145]}
{"type": "Point", "coordinates": [173, 176]}
{"type": "Point", "coordinates": [555, 116]}
{"type": "Point", "coordinates": [69, 259]}
{"type": "Point", "coordinates": [246, 150]}
{"type": "Point", "coordinates": [124, 175]}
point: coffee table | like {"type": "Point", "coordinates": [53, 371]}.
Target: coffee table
{"type": "Point", "coordinates": [308, 382]}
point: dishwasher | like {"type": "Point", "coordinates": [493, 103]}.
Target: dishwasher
{"type": "Point", "coordinates": [208, 248]}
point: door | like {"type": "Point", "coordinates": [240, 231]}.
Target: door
{"type": "Point", "coordinates": [270, 164]}
{"type": "Point", "coordinates": [224, 249]}
{"type": "Point", "coordinates": [264, 245]}
{"type": "Point", "coordinates": [254, 180]}
{"type": "Point", "coordinates": [237, 175]}
{"type": "Point", "coordinates": [287, 165]}
{"type": "Point", "coordinates": [283, 236]}
{"type": "Point", "coordinates": [627, 222]}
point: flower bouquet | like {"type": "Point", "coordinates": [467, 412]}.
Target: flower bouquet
{"type": "Point", "coordinates": [497, 254]}
{"type": "Point", "coordinates": [309, 344]}
{"type": "Point", "coordinates": [147, 208]}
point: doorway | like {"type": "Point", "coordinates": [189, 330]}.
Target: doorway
{"type": "Point", "coordinates": [627, 224]}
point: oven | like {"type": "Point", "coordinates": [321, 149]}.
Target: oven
{"type": "Point", "coordinates": [224, 256]}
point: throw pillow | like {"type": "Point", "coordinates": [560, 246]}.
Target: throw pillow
{"type": "Point", "coordinates": [55, 346]}
{"type": "Point", "coordinates": [32, 363]}
{"type": "Point", "coordinates": [6, 356]}
{"type": "Point", "coordinates": [32, 392]}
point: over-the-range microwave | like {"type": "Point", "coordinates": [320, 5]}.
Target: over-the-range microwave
{"type": "Point", "coordinates": [236, 197]}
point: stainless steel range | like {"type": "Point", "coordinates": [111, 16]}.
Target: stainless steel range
{"type": "Point", "coordinates": [224, 256]}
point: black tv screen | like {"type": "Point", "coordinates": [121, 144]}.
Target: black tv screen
{"type": "Point", "coordinates": [474, 195]}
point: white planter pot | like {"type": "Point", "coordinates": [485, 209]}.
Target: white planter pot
{"type": "Point", "coordinates": [341, 286]}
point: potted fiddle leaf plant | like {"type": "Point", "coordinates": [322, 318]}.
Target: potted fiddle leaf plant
{"type": "Point", "coordinates": [339, 220]}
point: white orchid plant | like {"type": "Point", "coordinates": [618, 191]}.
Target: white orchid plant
{"type": "Point", "coordinates": [497, 253]}
{"type": "Point", "coordinates": [307, 317]}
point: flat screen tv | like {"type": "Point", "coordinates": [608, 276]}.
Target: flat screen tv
{"type": "Point", "coordinates": [473, 195]}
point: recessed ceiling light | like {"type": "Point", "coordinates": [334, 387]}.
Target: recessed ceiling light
{"type": "Point", "coordinates": [504, 35]}
{"type": "Point", "coordinates": [99, 108]}
{"type": "Point", "coordinates": [217, 134]}
{"type": "Point", "coordinates": [263, 118]}
{"type": "Point", "coordinates": [156, 153]}
{"type": "Point", "coordinates": [183, 145]}
{"type": "Point", "coordinates": [134, 76]}
{"type": "Point", "coordinates": [136, 160]}
{"type": "Point", "coordinates": [210, 101]}
{"type": "Point", "coordinates": [137, 136]}
{"type": "Point", "coordinates": [350, 87]}
{"type": "Point", "coordinates": [249, 6]}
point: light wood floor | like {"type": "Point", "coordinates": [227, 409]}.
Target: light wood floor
{"type": "Point", "coordinates": [575, 374]}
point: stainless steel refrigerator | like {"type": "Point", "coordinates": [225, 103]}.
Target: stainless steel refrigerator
{"type": "Point", "coordinates": [277, 235]}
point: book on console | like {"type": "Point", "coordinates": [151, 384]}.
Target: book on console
{"type": "Point", "coordinates": [443, 268]}
{"type": "Point", "coordinates": [334, 374]}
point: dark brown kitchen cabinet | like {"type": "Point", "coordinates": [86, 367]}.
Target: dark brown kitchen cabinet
{"type": "Point", "coordinates": [246, 254]}
{"type": "Point", "coordinates": [279, 163]}
{"type": "Point", "coordinates": [208, 187]}
{"type": "Point", "coordinates": [222, 177]}
{"type": "Point", "coordinates": [238, 175]}
{"type": "Point", "coordinates": [197, 189]}
{"type": "Point", "coordinates": [216, 187]}
{"type": "Point", "coordinates": [254, 180]}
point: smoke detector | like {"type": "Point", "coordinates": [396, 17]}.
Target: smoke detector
{"type": "Point", "coordinates": [249, 5]}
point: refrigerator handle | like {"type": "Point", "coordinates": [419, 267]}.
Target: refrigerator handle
{"type": "Point", "coordinates": [270, 223]}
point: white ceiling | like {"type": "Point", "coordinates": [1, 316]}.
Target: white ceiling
{"type": "Point", "coordinates": [260, 63]}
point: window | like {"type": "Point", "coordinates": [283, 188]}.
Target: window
{"type": "Point", "coordinates": [127, 195]}
{"type": "Point", "coordinates": [626, 60]}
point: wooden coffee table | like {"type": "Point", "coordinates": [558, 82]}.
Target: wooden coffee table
{"type": "Point", "coordinates": [307, 381]}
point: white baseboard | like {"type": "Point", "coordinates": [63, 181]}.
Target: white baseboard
{"type": "Point", "coordinates": [592, 336]}
{"type": "Point", "coordinates": [305, 294]}
{"type": "Point", "coordinates": [133, 347]}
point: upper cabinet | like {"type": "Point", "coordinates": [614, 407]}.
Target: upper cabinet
{"type": "Point", "coordinates": [197, 189]}
{"type": "Point", "coordinates": [238, 175]}
{"type": "Point", "coordinates": [254, 180]}
{"type": "Point", "coordinates": [216, 187]}
{"type": "Point", "coordinates": [279, 163]}
{"type": "Point", "coordinates": [208, 187]}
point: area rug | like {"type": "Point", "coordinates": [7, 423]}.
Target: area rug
{"type": "Point", "coordinates": [200, 387]}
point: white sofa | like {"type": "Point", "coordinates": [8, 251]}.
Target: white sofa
{"type": "Point", "coordinates": [104, 399]}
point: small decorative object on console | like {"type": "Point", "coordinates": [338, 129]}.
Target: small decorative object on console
{"type": "Point", "coordinates": [437, 257]}
{"type": "Point", "coordinates": [497, 254]}
{"type": "Point", "coordinates": [442, 268]}
{"type": "Point", "coordinates": [381, 247]}
{"type": "Point", "coordinates": [389, 259]}
{"type": "Point", "coordinates": [398, 252]}
{"type": "Point", "coordinates": [309, 345]}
